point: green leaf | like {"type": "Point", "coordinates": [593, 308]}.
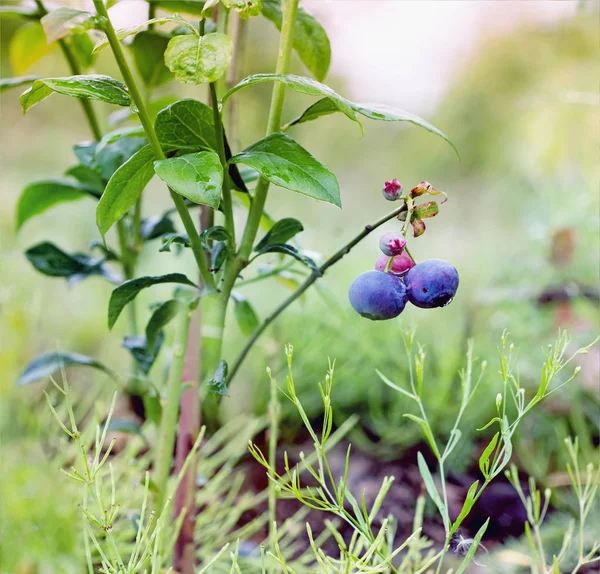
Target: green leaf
{"type": "Point", "coordinates": [81, 46]}
{"type": "Point", "coordinates": [310, 87]}
{"type": "Point", "coordinates": [142, 353]}
{"type": "Point", "coordinates": [8, 83]}
{"type": "Point", "coordinates": [199, 177]}
{"type": "Point", "coordinates": [245, 8]}
{"type": "Point", "coordinates": [93, 87]}
{"type": "Point", "coordinates": [27, 47]}
{"type": "Point", "coordinates": [186, 125]}
{"type": "Point", "coordinates": [199, 59]}
{"type": "Point", "coordinates": [40, 196]}
{"type": "Point", "coordinates": [124, 188]}
{"type": "Point", "coordinates": [281, 232]}
{"type": "Point", "coordinates": [218, 255]}
{"type": "Point", "coordinates": [155, 226]}
{"type": "Point", "coordinates": [245, 315]}
{"type": "Point", "coordinates": [85, 153]}
{"type": "Point", "coordinates": [217, 384]}
{"type": "Point", "coordinates": [214, 233]}
{"type": "Point", "coordinates": [467, 505]}
{"type": "Point", "coordinates": [89, 178]}
{"type": "Point", "coordinates": [113, 150]}
{"type": "Point", "coordinates": [177, 238]}
{"type": "Point", "coordinates": [310, 39]}
{"type": "Point", "coordinates": [473, 548]}
{"type": "Point", "coordinates": [431, 488]}
{"type": "Point", "coordinates": [292, 252]}
{"type": "Point", "coordinates": [161, 316]}
{"type": "Point", "coordinates": [484, 464]}
{"type": "Point", "coordinates": [47, 364]}
{"type": "Point", "coordinates": [282, 161]}
{"type": "Point", "coordinates": [62, 21]}
{"type": "Point", "coordinates": [128, 291]}
{"type": "Point", "coordinates": [423, 424]}
{"type": "Point", "coordinates": [322, 107]}
{"type": "Point", "coordinates": [300, 84]}
{"type": "Point", "coordinates": [148, 50]}
{"type": "Point", "coordinates": [50, 260]}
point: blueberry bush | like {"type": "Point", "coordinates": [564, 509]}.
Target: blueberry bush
{"type": "Point", "coordinates": [172, 520]}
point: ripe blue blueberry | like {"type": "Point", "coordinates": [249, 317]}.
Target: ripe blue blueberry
{"type": "Point", "coordinates": [432, 283]}
{"type": "Point", "coordinates": [377, 295]}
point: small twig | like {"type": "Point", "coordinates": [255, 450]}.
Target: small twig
{"type": "Point", "coordinates": [309, 281]}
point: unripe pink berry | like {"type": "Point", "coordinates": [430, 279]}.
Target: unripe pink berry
{"type": "Point", "coordinates": [400, 264]}
{"type": "Point", "coordinates": [392, 190]}
{"type": "Point", "coordinates": [392, 243]}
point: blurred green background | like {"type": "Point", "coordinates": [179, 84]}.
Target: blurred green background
{"type": "Point", "coordinates": [522, 218]}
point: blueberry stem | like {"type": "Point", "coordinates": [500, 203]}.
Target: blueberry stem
{"type": "Point", "coordinates": [312, 278]}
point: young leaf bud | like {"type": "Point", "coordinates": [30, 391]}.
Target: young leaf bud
{"type": "Point", "coordinates": [421, 189]}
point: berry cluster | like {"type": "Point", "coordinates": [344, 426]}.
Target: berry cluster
{"type": "Point", "coordinates": [383, 293]}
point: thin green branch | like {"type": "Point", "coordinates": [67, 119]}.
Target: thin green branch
{"type": "Point", "coordinates": [312, 278]}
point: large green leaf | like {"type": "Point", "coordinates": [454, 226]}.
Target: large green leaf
{"type": "Point", "coordinates": [40, 196]}
{"type": "Point", "coordinates": [124, 188]}
{"type": "Point", "coordinates": [50, 260]}
{"type": "Point", "coordinates": [310, 39]}
{"type": "Point", "coordinates": [93, 87]}
{"type": "Point", "coordinates": [186, 125]}
{"type": "Point", "coordinates": [198, 177]}
{"type": "Point", "coordinates": [198, 59]}
{"type": "Point", "coordinates": [27, 46]}
{"type": "Point", "coordinates": [311, 87]}
{"type": "Point", "coordinates": [47, 364]}
{"type": "Point", "coordinates": [127, 292]}
{"type": "Point", "coordinates": [8, 83]}
{"type": "Point", "coordinates": [148, 50]}
{"type": "Point", "coordinates": [282, 161]}
{"type": "Point", "coordinates": [62, 21]}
